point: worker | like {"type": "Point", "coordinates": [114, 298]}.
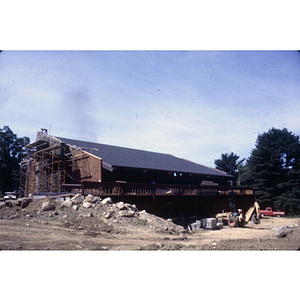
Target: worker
{"type": "Point", "coordinates": [241, 216]}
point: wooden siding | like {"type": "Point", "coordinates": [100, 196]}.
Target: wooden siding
{"type": "Point", "coordinates": [87, 166]}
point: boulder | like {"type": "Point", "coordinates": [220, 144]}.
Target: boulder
{"type": "Point", "coordinates": [108, 214]}
{"type": "Point", "coordinates": [89, 198]}
{"type": "Point", "coordinates": [120, 205]}
{"type": "Point", "coordinates": [25, 202]}
{"type": "Point", "coordinates": [97, 199]}
{"type": "Point", "coordinates": [59, 200]}
{"type": "Point", "coordinates": [130, 207]}
{"type": "Point", "coordinates": [214, 245]}
{"type": "Point", "coordinates": [107, 200]}
{"type": "Point", "coordinates": [77, 199]}
{"type": "Point", "coordinates": [67, 203]}
{"type": "Point", "coordinates": [86, 204]}
{"type": "Point", "coordinates": [126, 213]}
{"type": "Point", "coordinates": [8, 203]}
{"type": "Point", "coordinates": [48, 206]}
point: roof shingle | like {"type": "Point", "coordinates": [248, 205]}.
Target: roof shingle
{"type": "Point", "coordinates": [140, 159]}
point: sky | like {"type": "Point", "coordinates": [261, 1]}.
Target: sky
{"type": "Point", "coordinates": [192, 104]}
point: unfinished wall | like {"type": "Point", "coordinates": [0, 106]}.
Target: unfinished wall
{"type": "Point", "coordinates": [86, 166]}
{"type": "Point", "coordinates": [43, 170]}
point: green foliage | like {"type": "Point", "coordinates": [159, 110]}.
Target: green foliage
{"type": "Point", "coordinates": [11, 150]}
{"type": "Point", "coordinates": [230, 164]}
{"type": "Point", "coordinates": [273, 168]}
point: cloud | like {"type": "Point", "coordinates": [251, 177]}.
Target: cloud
{"type": "Point", "coordinates": [192, 104]}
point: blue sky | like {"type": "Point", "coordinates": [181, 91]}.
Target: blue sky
{"type": "Point", "coordinates": [192, 104]}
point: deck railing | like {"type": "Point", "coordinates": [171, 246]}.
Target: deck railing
{"type": "Point", "coordinates": [144, 189]}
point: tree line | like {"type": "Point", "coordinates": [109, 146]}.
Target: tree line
{"type": "Point", "coordinates": [11, 150]}
{"type": "Point", "coordinates": [273, 169]}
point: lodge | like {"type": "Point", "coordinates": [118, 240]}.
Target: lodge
{"type": "Point", "coordinates": [160, 183]}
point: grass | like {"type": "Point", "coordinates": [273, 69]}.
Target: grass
{"type": "Point", "coordinates": [191, 246]}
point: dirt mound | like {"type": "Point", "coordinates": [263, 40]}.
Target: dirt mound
{"type": "Point", "coordinates": [91, 224]}
{"type": "Point", "coordinates": [90, 213]}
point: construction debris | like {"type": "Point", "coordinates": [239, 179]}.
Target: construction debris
{"type": "Point", "coordinates": [105, 214]}
{"type": "Point", "coordinates": [207, 223]}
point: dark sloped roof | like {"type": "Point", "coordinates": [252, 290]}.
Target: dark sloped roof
{"type": "Point", "coordinates": [141, 159]}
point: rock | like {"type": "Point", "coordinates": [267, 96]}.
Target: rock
{"type": "Point", "coordinates": [48, 206]}
{"type": "Point", "coordinates": [97, 199]}
{"type": "Point", "coordinates": [67, 203]}
{"type": "Point", "coordinates": [8, 203]}
{"type": "Point", "coordinates": [107, 200]}
{"type": "Point", "coordinates": [108, 214]}
{"type": "Point", "coordinates": [128, 206]}
{"type": "Point", "coordinates": [77, 199]}
{"type": "Point", "coordinates": [59, 199]}
{"type": "Point", "coordinates": [195, 225]}
{"type": "Point", "coordinates": [120, 205]}
{"type": "Point", "coordinates": [86, 204]}
{"type": "Point", "coordinates": [131, 207]}
{"type": "Point", "coordinates": [19, 202]}
{"type": "Point", "coordinates": [89, 198]}
{"type": "Point", "coordinates": [126, 213]}
{"type": "Point", "coordinates": [50, 215]}
{"type": "Point", "coordinates": [90, 214]}
{"type": "Point", "coordinates": [25, 202]}
{"type": "Point", "coordinates": [75, 207]}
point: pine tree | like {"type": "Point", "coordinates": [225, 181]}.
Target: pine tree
{"type": "Point", "coordinates": [229, 163]}
{"type": "Point", "coordinates": [273, 168]}
{"type": "Point", "coordinates": [11, 149]}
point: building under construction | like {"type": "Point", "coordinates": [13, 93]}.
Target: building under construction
{"type": "Point", "coordinates": [160, 183]}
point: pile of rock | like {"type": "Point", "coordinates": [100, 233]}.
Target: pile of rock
{"type": "Point", "coordinates": [93, 213]}
{"type": "Point", "coordinates": [120, 208]}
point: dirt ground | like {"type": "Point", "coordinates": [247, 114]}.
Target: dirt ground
{"type": "Point", "coordinates": [117, 227]}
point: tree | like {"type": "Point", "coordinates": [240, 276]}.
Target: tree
{"type": "Point", "coordinates": [229, 163]}
{"type": "Point", "coordinates": [273, 168]}
{"type": "Point", "coordinates": [11, 150]}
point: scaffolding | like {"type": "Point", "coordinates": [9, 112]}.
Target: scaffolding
{"type": "Point", "coordinates": [44, 169]}
{"type": "Point", "coordinates": [49, 167]}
